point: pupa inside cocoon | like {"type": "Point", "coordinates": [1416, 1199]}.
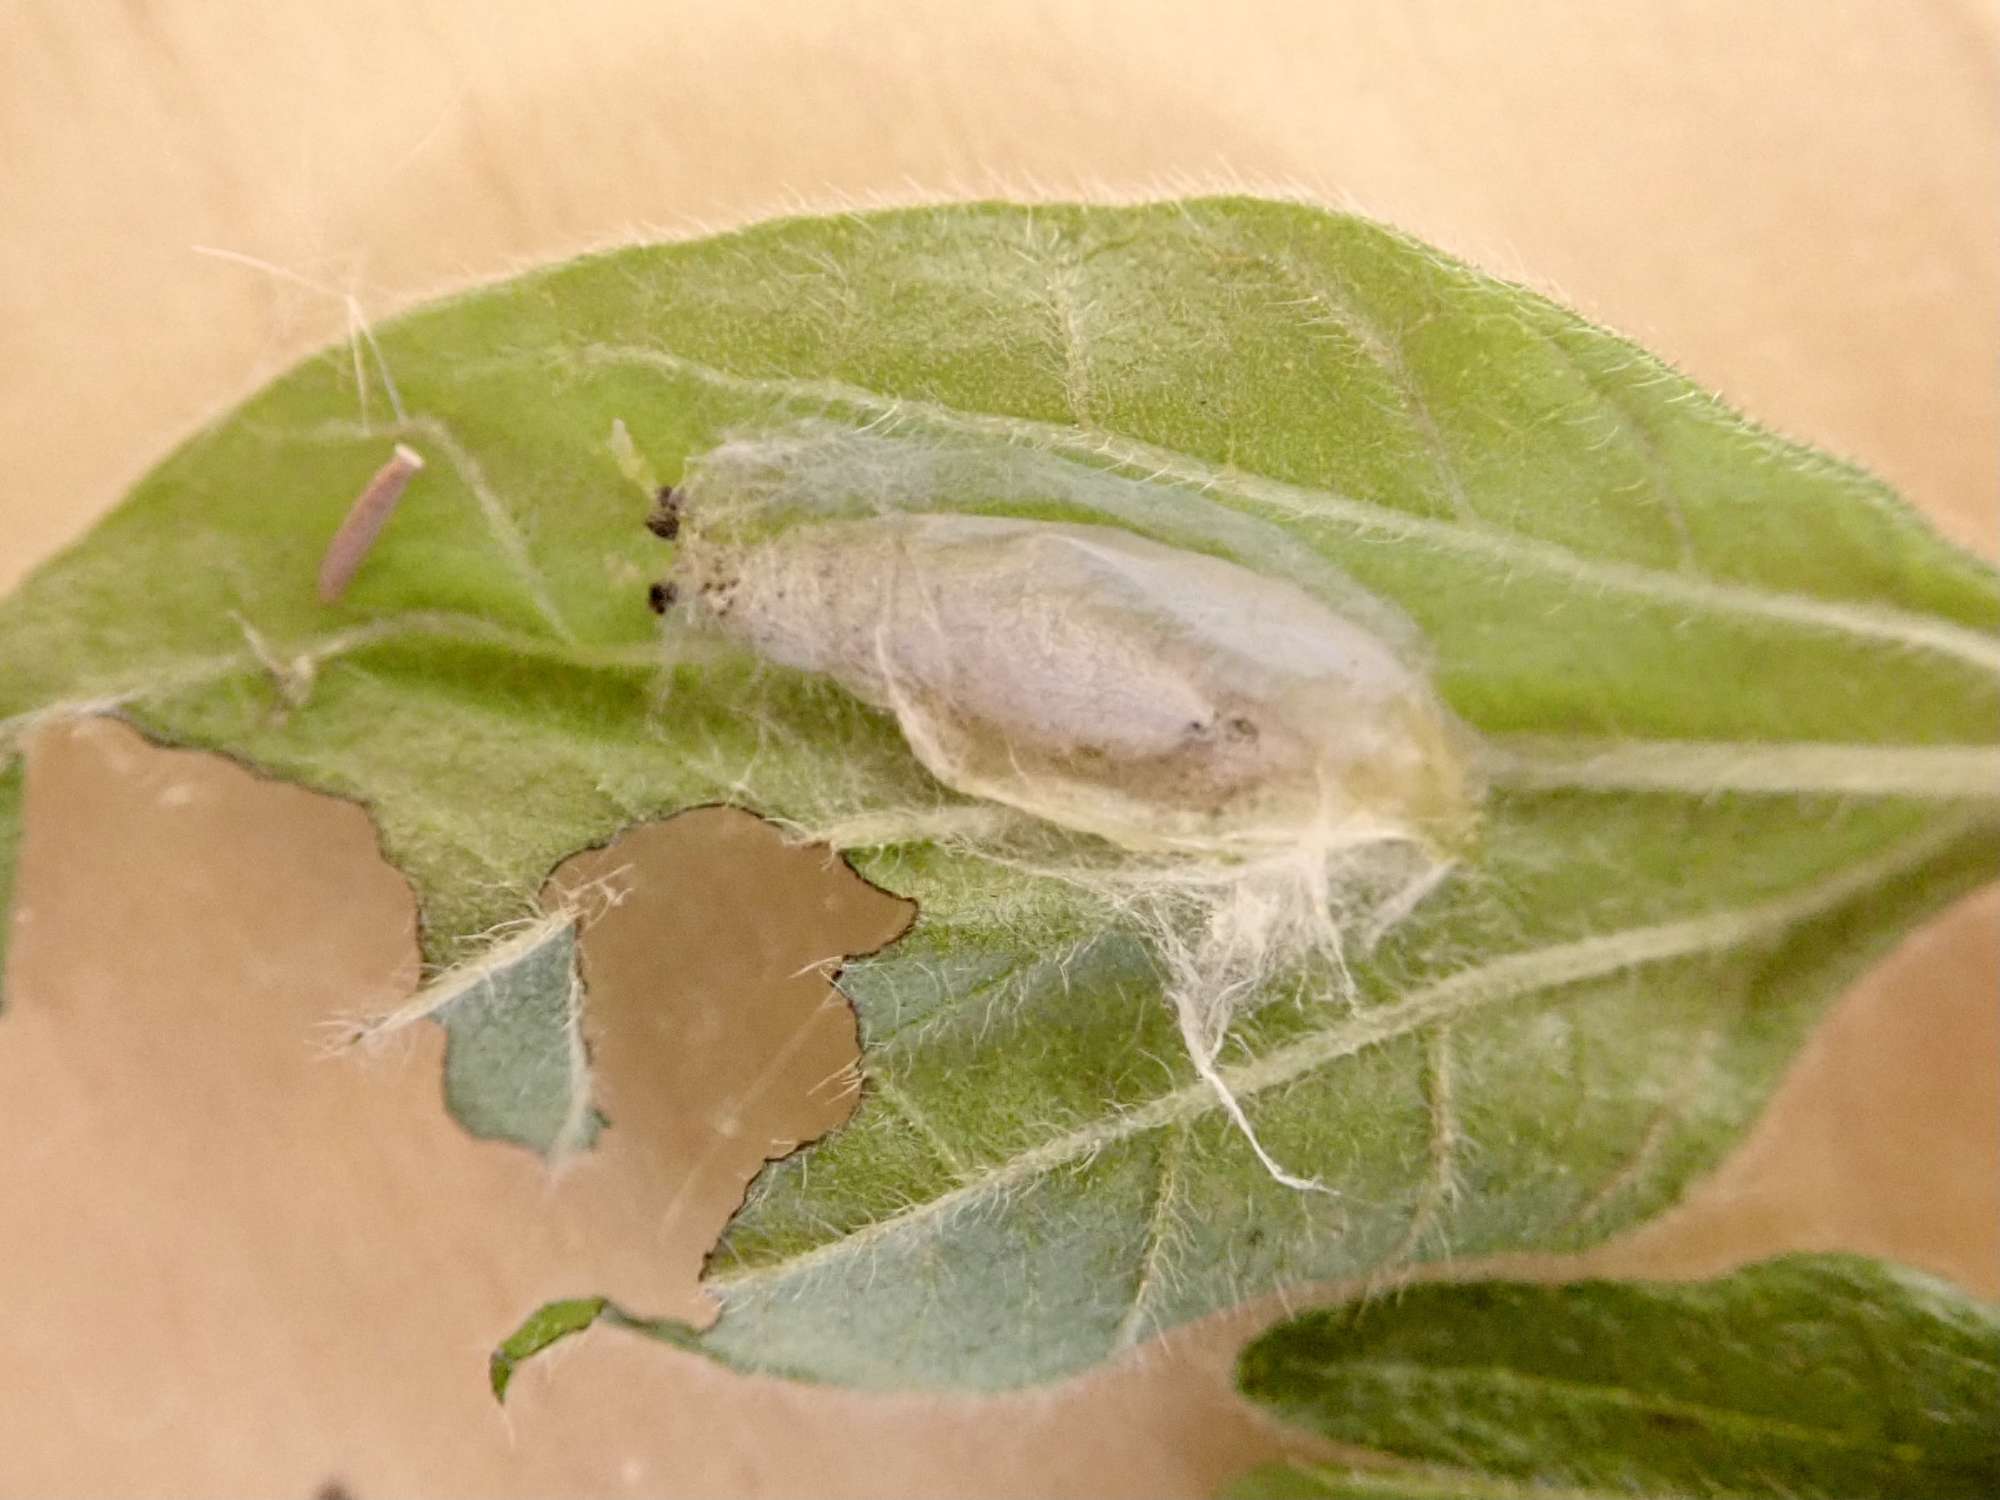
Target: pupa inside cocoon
{"type": "Point", "coordinates": [1247, 740]}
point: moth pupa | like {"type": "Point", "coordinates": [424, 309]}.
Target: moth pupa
{"type": "Point", "coordinates": [1251, 742]}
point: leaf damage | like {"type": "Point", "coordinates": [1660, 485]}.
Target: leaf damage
{"type": "Point", "coordinates": [1746, 708]}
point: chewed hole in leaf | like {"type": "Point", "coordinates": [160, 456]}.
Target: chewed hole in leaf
{"type": "Point", "coordinates": [716, 1040]}
{"type": "Point", "coordinates": [192, 928]}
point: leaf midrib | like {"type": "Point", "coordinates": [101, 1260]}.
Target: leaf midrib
{"type": "Point", "coordinates": [1531, 761]}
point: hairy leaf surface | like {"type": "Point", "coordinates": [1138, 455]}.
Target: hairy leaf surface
{"type": "Point", "coordinates": [1742, 709]}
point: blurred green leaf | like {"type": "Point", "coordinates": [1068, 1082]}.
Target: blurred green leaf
{"type": "Point", "coordinates": [1810, 1377]}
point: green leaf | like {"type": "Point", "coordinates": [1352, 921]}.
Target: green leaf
{"type": "Point", "coordinates": [514, 1063]}
{"type": "Point", "coordinates": [1742, 707]}
{"type": "Point", "coordinates": [1807, 1376]}
{"type": "Point", "coordinates": [550, 1323]}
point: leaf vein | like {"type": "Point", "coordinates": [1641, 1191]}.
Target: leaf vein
{"type": "Point", "coordinates": [1341, 312]}
{"type": "Point", "coordinates": [898, 1100]}
{"type": "Point", "coordinates": [1156, 1242]}
{"type": "Point", "coordinates": [1440, 1186]}
{"type": "Point", "coordinates": [1671, 1112]}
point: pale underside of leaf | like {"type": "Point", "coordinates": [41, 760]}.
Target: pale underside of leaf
{"type": "Point", "coordinates": [792, 1287]}
{"type": "Point", "coordinates": [1465, 992]}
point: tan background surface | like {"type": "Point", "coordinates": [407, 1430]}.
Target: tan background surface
{"type": "Point", "coordinates": [238, 1267]}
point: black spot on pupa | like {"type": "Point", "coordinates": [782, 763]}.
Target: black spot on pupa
{"type": "Point", "coordinates": [660, 598]}
{"type": "Point", "coordinates": [1242, 728]}
{"type": "Point", "coordinates": [665, 520]}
